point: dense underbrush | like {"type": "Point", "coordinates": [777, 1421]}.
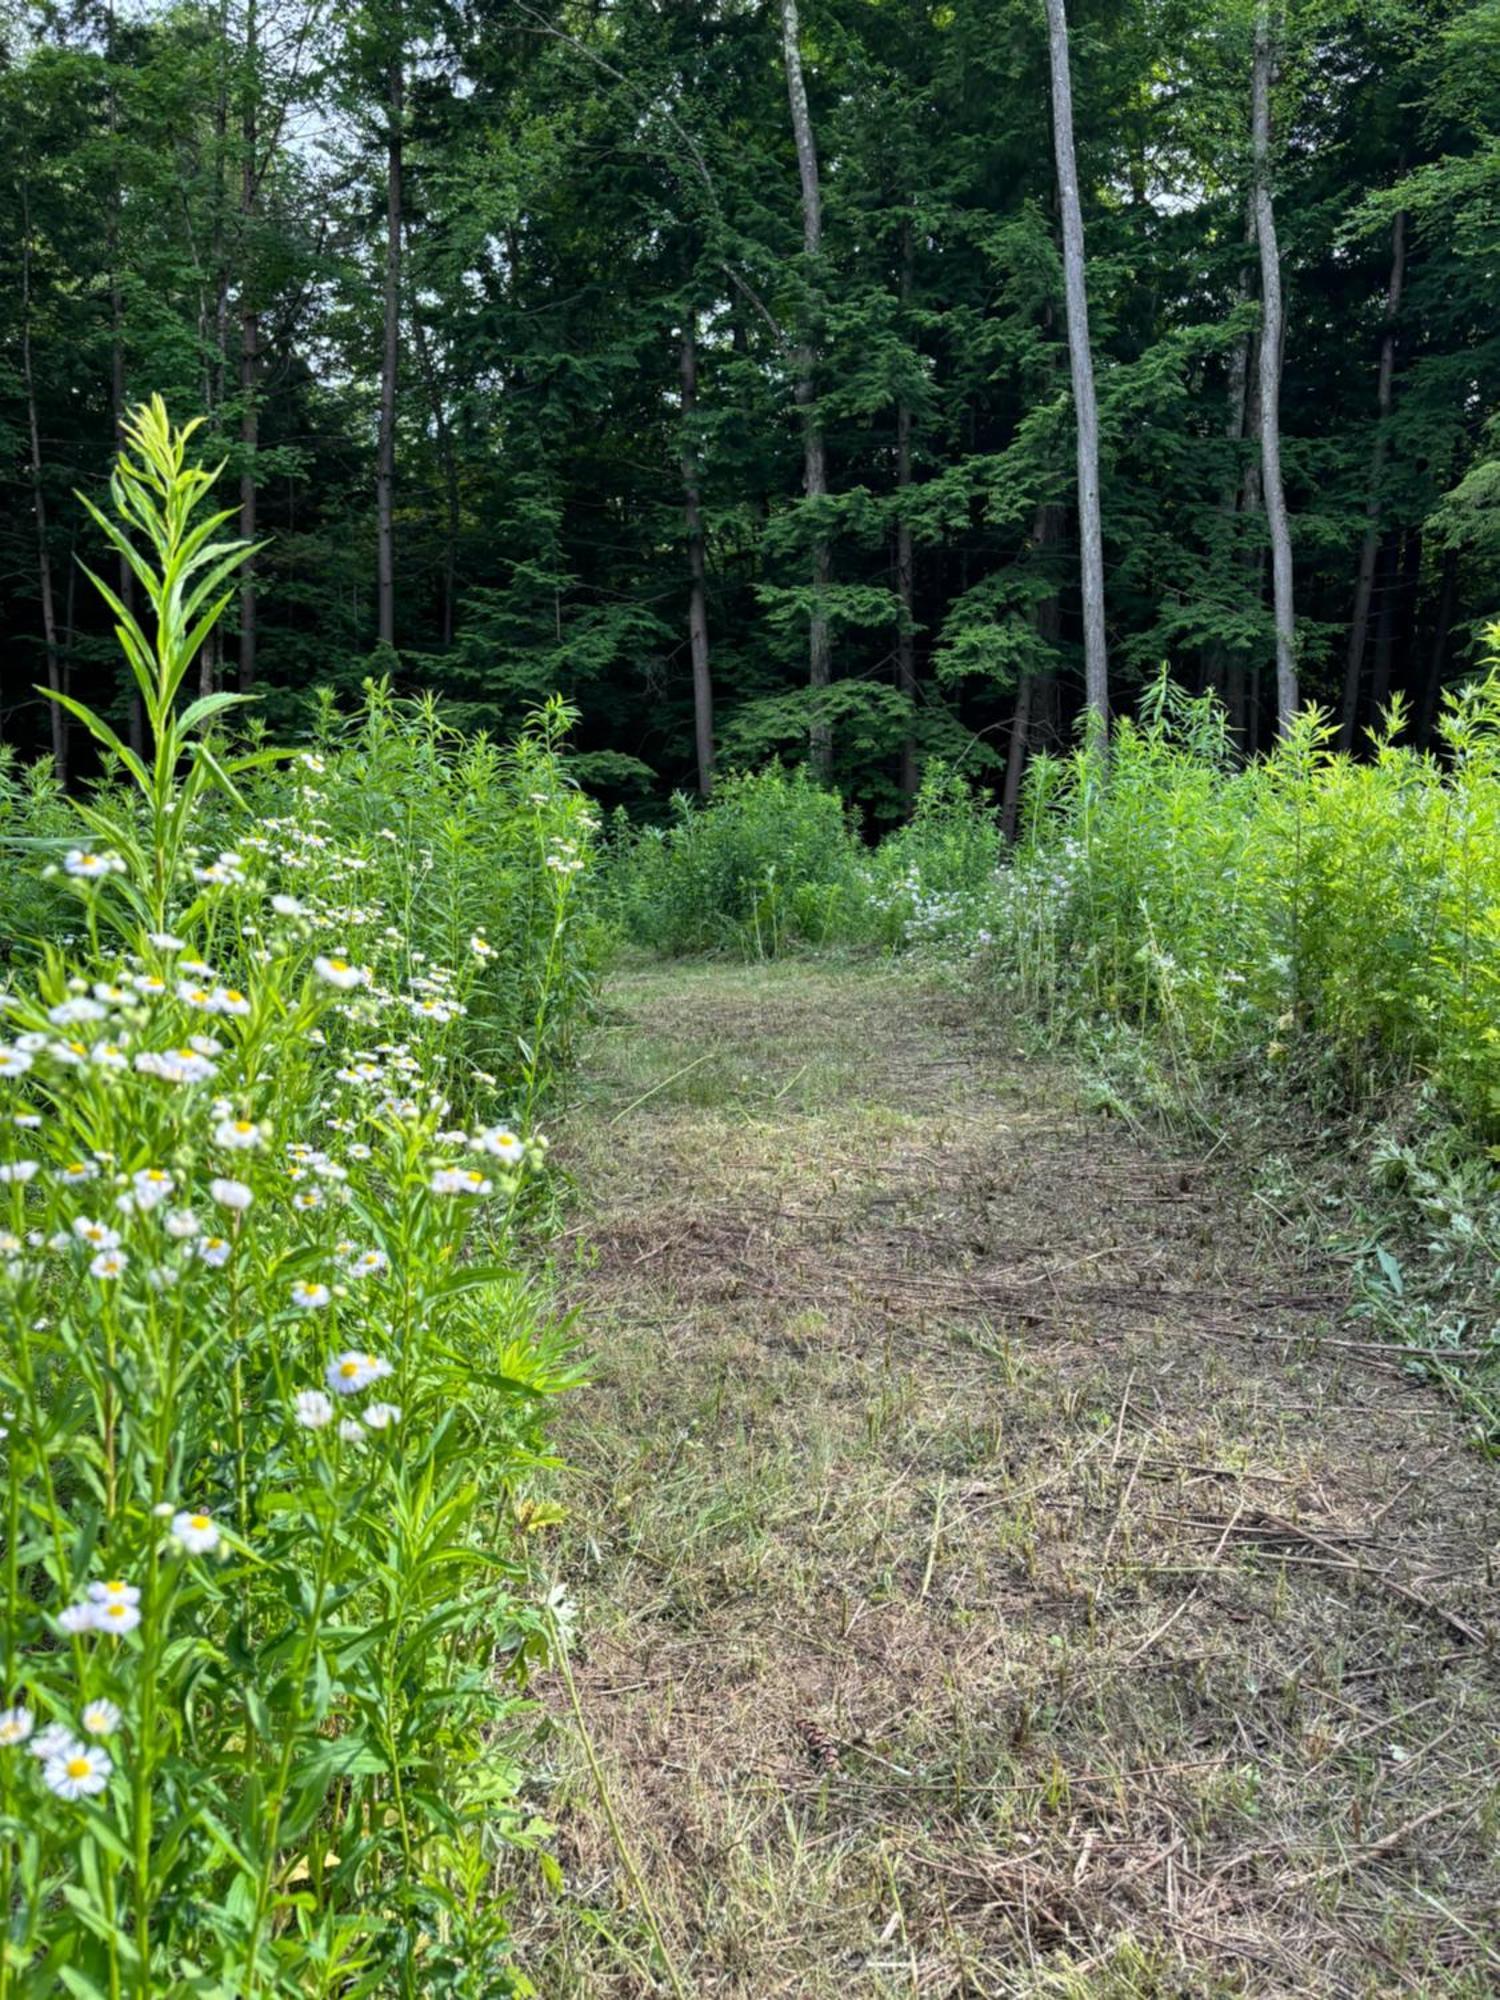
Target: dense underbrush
{"type": "Point", "coordinates": [273, 1375]}
{"type": "Point", "coordinates": [1312, 936]}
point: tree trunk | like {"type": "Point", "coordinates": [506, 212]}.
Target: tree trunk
{"type": "Point", "coordinates": [1270, 374]}
{"type": "Point", "coordinates": [906, 635]}
{"type": "Point", "coordinates": [1369, 548]}
{"type": "Point", "coordinates": [385, 476]}
{"type": "Point", "coordinates": [1433, 684]}
{"type": "Point", "coordinates": [1217, 666]}
{"type": "Point", "coordinates": [39, 507]}
{"type": "Point", "coordinates": [249, 350]}
{"type": "Point", "coordinates": [1080, 356]}
{"type": "Point", "coordinates": [1036, 693]}
{"type": "Point", "coordinates": [449, 462]}
{"type": "Point", "coordinates": [692, 509]}
{"type": "Point", "coordinates": [125, 575]}
{"type": "Point", "coordinates": [814, 457]}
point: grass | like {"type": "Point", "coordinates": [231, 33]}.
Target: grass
{"type": "Point", "coordinates": [994, 1577]}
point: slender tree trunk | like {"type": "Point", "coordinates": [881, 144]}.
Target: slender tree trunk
{"type": "Point", "coordinates": [814, 456]}
{"type": "Point", "coordinates": [1036, 691]}
{"type": "Point", "coordinates": [385, 477]}
{"type": "Point", "coordinates": [125, 575]}
{"type": "Point", "coordinates": [448, 459]}
{"type": "Point", "coordinates": [249, 349]}
{"type": "Point", "coordinates": [39, 506]}
{"type": "Point", "coordinates": [1217, 666]}
{"type": "Point", "coordinates": [692, 511]}
{"type": "Point", "coordinates": [1369, 548]}
{"type": "Point", "coordinates": [906, 635]}
{"type": "Point", "coordinates": [1270, 374]}
{"type": "Point", "coordinates": [1433, 683]}
{"type": "Point", "coordinates": [1081, 360]}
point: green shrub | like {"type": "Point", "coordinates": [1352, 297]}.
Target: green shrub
{"type": "Point", "coordinates": [269, 1372]}
{"type": "Point", "coordinates": [770, 860]}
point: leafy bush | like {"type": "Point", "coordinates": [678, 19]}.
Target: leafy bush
{"type": "Point", "coordinates": [266, 1610]}
{"type": "Point", "coordinates": [770, 860]}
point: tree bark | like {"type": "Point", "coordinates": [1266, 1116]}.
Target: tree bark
{"type": "Point", "coordinates": [249, 348]}
{"type": "Point", "coordinates": [814, 456]}
{"type": "Point", "coordinates": [39, 507]}
{"type": "Point", "coordinates": [448, 459]}
{"type": "Point", "coordinates": [1433, 683]}
{"type": "Point", "coordinates": [692, 510]}
{"type": "Point", "coordinates": [906, 635]}
{"type": "Point", "coordinates": [1270, 373]}
{"type": "Point", "coordinates": [1217, 666]}
{"type": "Point", "coordinates": [385, 476]}
{"type": "Point", "coordinates": [1370, 547]}
{"type": "Point", "coordinates": [1035, 694]}
{"type": "Point", "coordinates": [1080, 357]}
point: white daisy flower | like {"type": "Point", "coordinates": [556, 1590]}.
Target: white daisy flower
{"type": "Point", "coordinates": [368, 1264]}
{"type": "Point", "coordinates": [16, 1173]}
{"type": "Point", "coordinates": [197, 997]}
{"type": "Point", "coordinates": [380, 1416]}
{"type": "Point", "coordinates": [76, 1617]}
{"type": "Point", "coordinates": [231, 1194]}
{"type": "Point", "coordinates": [89, 867]}
{"type": "Point", "coordinates": [238, 1135]}
{"type": "Point", "coordinates": [198, 1533]}
{"type": "Point", "coordinates": [339, 973]}
{"type": "Point", "coordinates": [213, 1251]}
{"type": "Point", "coordinates": [108, 995]}
{"type": "Point", "coordinates": [78, 1771]}
{"type": "Point", "coordinates": [164, 940]}
{"type": "Point", "coordinates": [180, 1224]}
{"type": "Point", "coordinates": [115, 1591]}
{"type": "Point", "coordinates": [13, 1061]}
{"type": "Point", "coordinates": [288, 906]}
{"type": "Point", "coordinates": [15, 1726]}
{"type": "Point", "coordinates": [502, 1143]}
{"type": "Point", "coordinates": [351, 1430]}
{"type": "Point", "coordinates": [68, 1013]}
{"type": "Point", "coordinates": [308, 1198]}
{"type": "Point", "coordinates": [352, 1371]}
{"type": "Point", "coordinates": [152, 1186]}
{"type": "Point", "coordinates": [459, 1180]}
{"type": "Point", "coordinates": [101, 1718]}
{"type": "Point", "coordinates": [481, 946]}
{"type": "Point", "coordinates": [108, 1055]}
{"type": "Point", "coordinates": [108, 1264]}
{"type": "Point", "coordinates": [309, 1297]}
{"type": "Point", "coordinates": [115, 1615]}
{"type": "Point", "coordinates": [312, 1409]}
{"type": "Point", "coordinates": [47, 1742]}
{"type": "Point", "coordinates": [70, 1052]}
{"type": "Point", "coordinates": [77, 1171]}
{"type": "Point", "coordinates": [230, 1000]}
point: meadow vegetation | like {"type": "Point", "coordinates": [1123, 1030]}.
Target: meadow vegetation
{"type": "Point", "coordinates": [276, 1033]}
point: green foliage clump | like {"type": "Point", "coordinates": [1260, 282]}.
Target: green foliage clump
{"type": "Point", "coordinates": [1307, 899]}
{"type": "Point", "coordinates": [271, 1376]}
{"type": "Point", "coordinates": [771, 860]}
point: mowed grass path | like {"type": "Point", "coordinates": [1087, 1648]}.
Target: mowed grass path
{"type": "Point", "coordinates": [993, 1577]}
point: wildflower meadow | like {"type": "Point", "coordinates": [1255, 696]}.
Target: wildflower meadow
{"type": "Point", "coordinates": [271, 1368]}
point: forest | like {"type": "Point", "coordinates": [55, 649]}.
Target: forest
{"type": "Point", "coordinates": [708, 361]}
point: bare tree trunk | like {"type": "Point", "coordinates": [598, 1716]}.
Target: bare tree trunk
{"type": "Point", "coordinates": [1080, 356]}
{"type": "Point", "coordinates": [692, 509]}
{"type": "Point", "coordinates": [39, 506]}
{"type": "Point", "coordinates": [1216, 666]}
{"type": "Point", "coordinates": [1369, 548]}
{"type": "Point", "coordinates": [449, 461]}
{"type": "Point", "coordinates": [814, 456]}
{"type": "Point", "coordinates": [385, 475]}
{"type": "Point", "coordinates": [1270, 374]}
{"type": "Point", "coordinates": [249, 349]}
{"type": "Point", "coordinates": [1036, 691]}
{"type": "Point", "coordinates": [1433, 683]}
{"type": "Point", "coordinates": [906, 636]}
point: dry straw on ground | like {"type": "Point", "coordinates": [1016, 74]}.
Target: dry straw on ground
{"type": "Point", "coordinates": [998, 1573]}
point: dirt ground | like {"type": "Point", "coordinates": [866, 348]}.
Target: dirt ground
{"type": "Point", "coordinates": [999, 1569]}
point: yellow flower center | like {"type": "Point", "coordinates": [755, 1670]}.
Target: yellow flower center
{"type": "Point", "coordinates": [116, 1588]}
{"type": "Point", "coordinates": [198, 1521]}
{"type": "Point", "coordinates": [243, 1125]}
{"type": "Point", "coordinates": [116, 1610]}
{"type": "Point", "coordinates": [79, 1767]}
{"type": "Point", "coordinates": [348, 1369]}
{"type": "Point", "coordinates": [338, 964]}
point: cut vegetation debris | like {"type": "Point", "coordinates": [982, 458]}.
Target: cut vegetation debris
{"type": "Point", "coordinates": [997, 1572]}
